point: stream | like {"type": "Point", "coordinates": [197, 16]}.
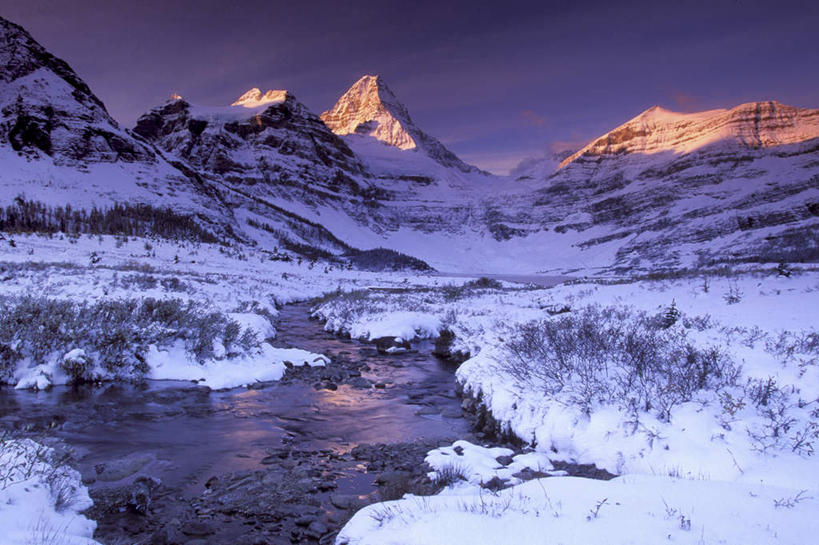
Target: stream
{"type": "Point", "coordinates": [283, 462]}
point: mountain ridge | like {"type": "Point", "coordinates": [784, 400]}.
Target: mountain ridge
{"type": "Point", "coordinates": [752, 125]}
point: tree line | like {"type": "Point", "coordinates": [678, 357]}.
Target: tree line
{"type": "Point", "coordinates": [27, 216]}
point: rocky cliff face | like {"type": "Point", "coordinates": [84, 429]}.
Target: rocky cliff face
{"type": "Point", "coordinates": [370, 108]}
{"type": "Point", "coordinates": [269, 144]}
{"type": "Point", "coordinates": [277, 163]}
{"type": "Point", "coordinates": [48, 110]}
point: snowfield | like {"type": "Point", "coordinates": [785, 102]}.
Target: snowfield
{"type": "Point", "coordinates": [236, 285]}
{"type": "Point", "coordinates": [733, 451]}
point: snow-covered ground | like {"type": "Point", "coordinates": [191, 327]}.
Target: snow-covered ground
{"type": "Point", "coordinates": [41, 498]}
{"type": "Point", "coordinates": [633, 509]}
{"type": "Point", "coordinates": [244, 285]}
{"type": "Point", "coordinates": [732, 462]}
{"type": "Point", "coordinates": [733, 454]}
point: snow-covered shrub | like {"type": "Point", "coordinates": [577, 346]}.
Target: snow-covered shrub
{"type": "Point", "coordinates": [109, 337]}
{"type": "Point", "coordinates": [347, 305]}
{"type": "Point", "coordinates": [671, 315]}
{"type": "Point", "coordinates": [77, 365]}
{"type": "Point", "coordinates": [450, 474]}
{"type": "Point", "coordinates": [790, 346]}
{"type": "Point", "coordinates": [733, 295]}
{"type": "Point", "coordinates": [24, 459]}
{"type": "Point", "coordinates": [232, 332]}
{"type": "Point", "coordinates": [139, 282]}
{"type": "Point", "coordinates": [787, 420]}
{"type": "Point", "coordinates": [459, 291]}
{"type": "Point", "coordinates": [172, 283]}
{"type": "Point", "coordinates": [612, 355]}
{"type": "Point", "coordinates": [42, 496]}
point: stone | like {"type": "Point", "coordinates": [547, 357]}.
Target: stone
{"type": "Point", "coordinates": [116, 470]}
{"type": "Point", "coordinates": [316, 529]}
{"type": "Point", "coordinates": [495, 483]}
{"type": "Point", "coordinates": [346, 501]}
{"type": "Point", "coordinates": [196, 528]}
{"type": "Point", "coordinates": [504, 460]}
{"type": "Point", "coordinates": [305, 520]}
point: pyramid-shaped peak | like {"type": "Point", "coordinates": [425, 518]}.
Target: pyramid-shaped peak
{"type": "Point", "coordinates": [254, 98]}
{"type": "Point", "coordinates": [370, 107]}
{"type": "Point", "coordinates": [372, 92]}
{"type": "Point", "coordinates": [368, 80]}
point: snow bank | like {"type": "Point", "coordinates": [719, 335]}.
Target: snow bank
{"type": "Point", "coordinates": [265, 364]}
{"type": "Point", "coordinates": [400, 324]}
{"type": "Point", "coordinates": [479, 465]}
{"type": "Point", "coordinates": [41, 500]}
{"type": "Point", "coordinates": [634, 510]}
{"type": "Point", "coordinates": [712, 436]}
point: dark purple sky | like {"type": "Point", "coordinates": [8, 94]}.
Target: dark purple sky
{"type": "Point", "coordinates": [495, 81]}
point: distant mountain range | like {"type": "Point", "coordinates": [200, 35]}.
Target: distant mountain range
{"type": "Point", "coordinates": [664, 190]}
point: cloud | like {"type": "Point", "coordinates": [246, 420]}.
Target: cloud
{"type": "Point", "coordinates": [532, 118]}
{"type": "Point", "coordinates": [561, 147]}
{"type": "Point", "coordinates": [684, 101]}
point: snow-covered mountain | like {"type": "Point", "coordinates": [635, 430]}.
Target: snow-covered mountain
{"type": "Point", "coordinates": [370, 108]}
{"type": "Point", "coordinates": [664, 189]}
{"type": "Point", "coordinates": [754, 125]}
{"type": "Point", "coordinates": [268, 138]}
{"type": "Point", "coordinates": [59, 145]}
{"type": "Point", "coordinates": [271, 148]}
{"type": "Point", "coordinates": [675, 189]}
{"type": "Point", "coordinates": [288, 178]}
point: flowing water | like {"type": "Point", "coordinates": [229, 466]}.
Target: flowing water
{"type": "Point", "coordinates": [184, 435]}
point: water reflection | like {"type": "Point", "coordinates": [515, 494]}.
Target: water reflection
{"type": "Point", "coordinates": [188, 433]}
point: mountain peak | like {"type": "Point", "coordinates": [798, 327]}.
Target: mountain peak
{"type": "Point", "coordinates": [370, 108]}
{"type": "Point", "coordinates": [21, 56]}
{"type": "Point", "coordinates": [254, 98]}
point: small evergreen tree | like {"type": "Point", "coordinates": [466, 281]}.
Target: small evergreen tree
{"type": "Point", "coordinates": [671, 315]}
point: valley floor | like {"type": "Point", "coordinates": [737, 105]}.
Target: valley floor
{"type": "Point", "coordinates": [701, 393]}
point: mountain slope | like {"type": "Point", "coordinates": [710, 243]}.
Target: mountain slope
{"type": "Point", "coordinates": [269, 139]}
{"type": "Point", "coordinates": [275, 161]}
{"type": "Point", "coordinates": [59, 145]}
{"type": "Point", "coordinates": [669, 189]}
